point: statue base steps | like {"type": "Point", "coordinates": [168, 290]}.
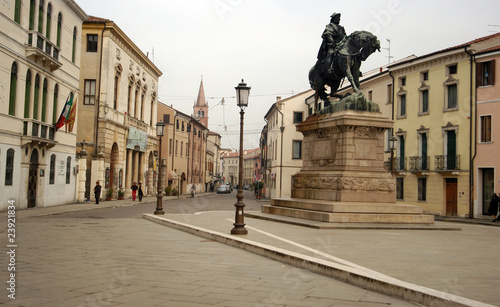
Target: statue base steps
{"type": "Point", "coordinates": [344, 212]}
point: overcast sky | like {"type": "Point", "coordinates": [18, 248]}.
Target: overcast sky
{"type": "Point", "coordinates": [272, 44]}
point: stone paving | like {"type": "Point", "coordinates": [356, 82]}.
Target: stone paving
{"type": "Point", "coordinates": [133, 262]}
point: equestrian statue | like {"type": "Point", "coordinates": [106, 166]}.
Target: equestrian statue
{"type": "Point", "coordinates": [340, 56]}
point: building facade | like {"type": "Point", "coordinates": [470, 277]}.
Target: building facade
{"type": "Point", "coordinates": [486, 151]}
{"type": "Point", "coordinates": [40, 47]}
{"type": "Point", "coordinates": [117, 110]}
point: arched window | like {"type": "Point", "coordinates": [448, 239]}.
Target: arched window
{"type": "Point", "coordinates": [49, 21]}
{"type": "Point", "coordinates": [13, 89]}
{"type": "Point", "coordinates": [40, 16]}
{"type": "Point", "coordinates": [68, 170]}
{"type": "Point", "coordinates": [73, 53]}
{"type": "Point", "coordinates": [32, 15]}
{"type": "Point", "coordinates": [44, 100]}
{"type": "Point", "coordinates": [36, 96]}
{"type": "Point", "coordinates": [59, 26]}
{"type": "Point", "coordinates": [17, 12]}
{"type": "Point", "coordinates": [52, 174]}
{"type": "Point", "coordinates": [9, 167]}
{"type": "Point", "coordinates": [27, 95]}
{"type": "Point", "coordinates": [54, 107]}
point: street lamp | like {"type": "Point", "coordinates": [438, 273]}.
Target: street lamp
{"type": "Point", "coordinates": [242, 93]}
{"type": "Point", "coordinates": [392, 146]}
{"type": "Point", "coordinates": [160, 130]}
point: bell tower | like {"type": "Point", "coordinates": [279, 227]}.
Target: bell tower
{"type": "Point", "coordinates": [200, 109]}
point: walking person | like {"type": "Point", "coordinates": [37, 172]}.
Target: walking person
{"type": "Point", "coordinates": [134, 188]}
{"type": "Point", "coordinates": [140, 192]}
{"type": "Point", "coordinates": [97, 192]}
{"type": "Point", "coordinates": [493, 209]}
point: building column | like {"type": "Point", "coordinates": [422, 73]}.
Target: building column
{"type": "Point", "coordinates": [128, 172]}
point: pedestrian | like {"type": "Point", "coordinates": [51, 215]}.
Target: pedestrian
{"type": "Point", "coordinates": [493, 209]}
{"type": "Point", "coordinates": [193, 188]}
{"type": "Point", "coordinates": [97, 192]}
{"type": "Point", "coordinates": [134, 190]}
{"type": "Point", "coordinates": [141, 194]}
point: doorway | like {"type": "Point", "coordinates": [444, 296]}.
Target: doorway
{"type": "Point", "coordinates": [451, 197]}
{"type": "Point", "coordinates": [32, 179]}
{"type": "Point", "coordinates": [488, 187]}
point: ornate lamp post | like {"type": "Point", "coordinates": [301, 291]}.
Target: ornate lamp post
{"type": "Point", "coordinates": [392, 146]}
{"type": "Point", "coordinates": [242, 93]}
{"type": "Point", "coordinates": [160, 130]}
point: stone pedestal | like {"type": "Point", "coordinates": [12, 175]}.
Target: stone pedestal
{"type": "Point", "coordinates": [343, 177]}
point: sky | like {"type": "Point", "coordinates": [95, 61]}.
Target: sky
{"type": "Point", "coordinates": [272, 44]}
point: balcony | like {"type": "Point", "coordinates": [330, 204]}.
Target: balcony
{"type": "Point", "coordinates": [399, 165]}
{"type": "Point", "coordinates": [419, 164]}
{"type": "Point", "coordinates": [39, 48]}
{"type": "Point", "coordinates": [447, 163]}
{"type": "Point", "coordinates": [38, 133]}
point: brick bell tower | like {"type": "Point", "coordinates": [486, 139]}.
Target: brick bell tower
{"type": "Point", "coordinates": [200, 109]}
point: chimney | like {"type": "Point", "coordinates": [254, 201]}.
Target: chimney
{"type": "Point", "coordinates": [380, 69]}
{"type": "Point", "coordinates": [278, 98]}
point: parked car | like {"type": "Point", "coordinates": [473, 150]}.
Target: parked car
{"type": "Point", "coordinates": [246, 187]}
{"type": "Point", "coordinates": [224, 189]}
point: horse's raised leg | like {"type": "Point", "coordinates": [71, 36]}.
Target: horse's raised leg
{"type": "Point", "coordinates": [350, 76]}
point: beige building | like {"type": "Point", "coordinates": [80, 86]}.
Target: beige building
{"type": "Point", "coordinates": [40, 53]}
{"type": "Point", "coordinates": [117, 109]}
{"type": "Point", "coordinates": [251, 166]}
{"type": "Point", "coordinates": [282, 150]}
{"type": "Point", "coordinates": [433, 107]}
{"type": "Point", "coordinates": [213, 160]}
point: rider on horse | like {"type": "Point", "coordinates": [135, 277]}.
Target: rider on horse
{"type": "Point", "coordinates": [333, 34]}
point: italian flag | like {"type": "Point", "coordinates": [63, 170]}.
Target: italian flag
{"type": "Point", "coordinates": [65, 114]}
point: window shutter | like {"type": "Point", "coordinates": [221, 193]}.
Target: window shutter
{"type": "Point", "coordinates": [479, 74]}
{"type": "Point", "coordinates": [492, 72]}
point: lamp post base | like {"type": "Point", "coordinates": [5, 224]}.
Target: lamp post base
{"type": "Point", "coordinates": [239, 224]}
{"type": "Point", "coordinates": [159, 207]}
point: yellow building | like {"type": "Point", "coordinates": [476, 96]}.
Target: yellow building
{"type": "Point", "coordinates": [117, 109]}
{"type": "Point", "coordinates": [433, 99]}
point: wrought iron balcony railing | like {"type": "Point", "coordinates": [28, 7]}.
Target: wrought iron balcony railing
{"type": "Point", "coordinates": [417, 164]}
{"type": "Point", "coordinates": [447, 162]}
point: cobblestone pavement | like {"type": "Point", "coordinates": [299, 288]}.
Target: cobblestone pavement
{"type": "Point", "coordinates": [62, 259]}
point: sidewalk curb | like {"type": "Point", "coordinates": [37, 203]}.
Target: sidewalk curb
{"type": "Point", "coordinates": [360, 278]}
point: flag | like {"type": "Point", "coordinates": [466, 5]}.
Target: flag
{"type": "Point", "coordinates": [65, 112]}
{"type": "Point", "coordinates": [70, 121]}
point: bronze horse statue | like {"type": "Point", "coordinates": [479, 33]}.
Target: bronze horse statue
{"type": "Point", "coordinates": [352, 50]}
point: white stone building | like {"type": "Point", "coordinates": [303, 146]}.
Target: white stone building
{"type": "Point", "coordinates": [40, 51]}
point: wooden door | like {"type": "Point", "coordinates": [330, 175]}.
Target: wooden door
{"type": "Point", "coordinates": [451, 197]}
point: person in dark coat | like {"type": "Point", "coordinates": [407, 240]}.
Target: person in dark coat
{"type": "Point", "coordinates": [134, 190]}
{"type": "Point", "coordinates": [493, 209]}
{"type": "Point", "coordinates": [97, 192]}
{"type": "Point", "coordinates": [140, 192]}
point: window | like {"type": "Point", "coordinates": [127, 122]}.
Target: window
{"type": "Point", "coordinates": [52, 174]}
{"type": "Point", "coordinates": [452, 69]}
{"type": "Point", "coordinates": [485, 73]}
{"type": "Point", "coordinates": [166, 119]}
{"type": "Point", "coordinates": [49, 21]}
{"type": "Point", "coordinates": [451, 99]}
{"type": "Point", "coordinates": [297, 117]}
{"type": "Point", "coordinates": [68, 170]}
{"type": "Point", "coordinates": [400, 184]}
{"type": "Point", "coordinates": [424, 76]}
{"type": "Point", "coordinates": [402, 105]}
{"type": "Point", "coordinates": [402, 81]}
{"type": "Point", "coordinates": [17, 12]}
{"type": "Point", "coordinates": [486, 129]}
{"type": "Point", "coordinates": [36, 96]}
{"type": "Point", "coordinates": [32, 15]}
{"type": "Point", "coordinates": [13, 89]}
{"type": "Point", "coordinates": [424, 106]}
{"type": "Point", "coordinates": [89, 92]}
{"type": "Point", "coordinates": [422, 189]}
{"type": "Point", "coordinates": [54, 108]}
{"type": "Point", "coordinates": [176, 146]}
{"type": "Point", "coordinates": [27, 95]}
{"type": "Point", "coordinates": [170, 146]}
{"type": "Point", "coordinates": [59, 26]}
{"type": "Point", "coordinates": [297, 150]}
{"type": "Point", "coordinates": [40, 16]}
{"type": "Point", "coordinates": [44, 100]}
{"type": "Point", "coordinates": [91, 42]}
{"type": "Point", "coordinates": [370, 95]}
{"type": "Point", "coordinates": [73, 50]}
{"type": "Point", "coordinates": [115, 91]}
{"type": "Point", "coordinates": [177, 124]}
{"type": "Point", "coordinates": [182, 147]}
{"type": "Point", "coordinates": [182, 124]}
{"type": "Point", "coordinates": [423, 163]}
{"type": "Point", "coordinates": [9, 167]}
{"type": "Point", "coordinates": [389, 93]}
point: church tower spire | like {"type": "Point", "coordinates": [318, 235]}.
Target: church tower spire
{"type": "Point", "coordinates": [200, 108]}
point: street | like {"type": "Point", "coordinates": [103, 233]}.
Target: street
{"type": "Point", "coordinates": [113, 257]}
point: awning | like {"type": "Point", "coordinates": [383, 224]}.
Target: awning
{"type": "Point", "coordinates": [172, 175]}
